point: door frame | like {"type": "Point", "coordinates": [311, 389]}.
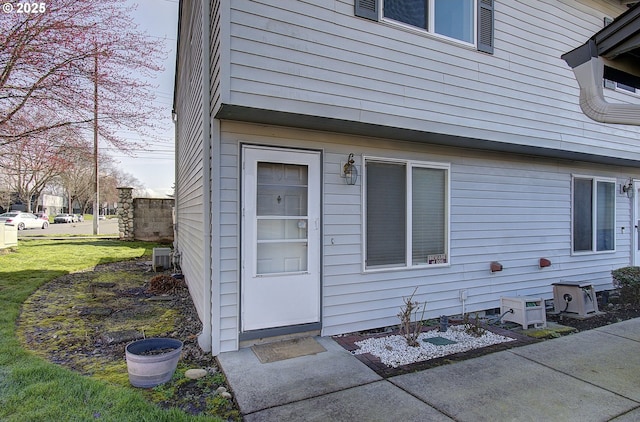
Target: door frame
{"type": "Point", "coordinates": [285, 330]}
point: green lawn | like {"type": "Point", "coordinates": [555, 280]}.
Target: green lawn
{"type": "Point", "coordinates": [32, 389]}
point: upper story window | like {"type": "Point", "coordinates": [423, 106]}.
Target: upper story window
{"type": "Point", "coordinates": [451, 18]}
{"type": "Point", "coordinates": [619, 85]}
{"type": "Point", "coordinates": [468, 21]}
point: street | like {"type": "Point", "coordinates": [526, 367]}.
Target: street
{"type": "Point", "coordinates": [105, 227]}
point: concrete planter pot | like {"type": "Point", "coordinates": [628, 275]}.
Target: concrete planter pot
{"type": "Point", "coordinates": [152, 361]}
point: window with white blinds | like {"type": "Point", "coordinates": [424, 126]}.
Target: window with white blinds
{"type": "Point", "coordinates": [594, 214]}
{"type": "Point", "coordinates": [407, 213]}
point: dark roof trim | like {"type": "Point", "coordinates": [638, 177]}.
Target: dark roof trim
{"type": "Point", "coordinates": [618, 43]}
{"type": "Point", "coordinates": [621, 36]}
{"type": "Point", "coordinates": [581, 55]}
{"type": "Point", "coordinates": [303, 121]}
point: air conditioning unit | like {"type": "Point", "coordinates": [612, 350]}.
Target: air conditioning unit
{"type": "Point", "coordinates": [161, 259]}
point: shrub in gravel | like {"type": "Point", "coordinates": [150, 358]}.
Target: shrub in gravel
{"type": "Point", "coordinates": [627, 281]}
{"type": "Point", "coordinates": [410, 324]}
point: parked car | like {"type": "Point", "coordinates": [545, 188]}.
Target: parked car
{"type": "Point", "coordinates": [23, 220]}
{"type": "Point", "coordinates": [42, 216]}
{"type": "Point", "coordinates": [102, 217]}
{"type": "Point", "coordinates": [63, 218]}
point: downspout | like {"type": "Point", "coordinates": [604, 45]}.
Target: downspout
{"type": "Point", "coordinates": [588, 69]}
{"type": "Point", "coordinates": [590, 79]}
{"type": "Point", "coordinates": [176, 142]}
{"type": "Point", "coordinates": [205, 338]}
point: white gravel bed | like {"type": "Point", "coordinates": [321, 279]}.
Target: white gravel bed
{"type": "Point", "coordinates": [393, 349]}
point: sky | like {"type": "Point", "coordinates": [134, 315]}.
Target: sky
{"type": "Point", "coordinates": [155, 168]}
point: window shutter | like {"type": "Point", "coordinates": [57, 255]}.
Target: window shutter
{"type": "Point", "coordinates": [367, 9]}
{"type": "Point", "coordinates": [485, 26]}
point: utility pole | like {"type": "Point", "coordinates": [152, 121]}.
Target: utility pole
{"type": "Point", "coordinates": [96, 201]}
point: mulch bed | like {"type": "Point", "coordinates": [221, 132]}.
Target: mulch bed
{"type": "Point", "coordinates": [348, 342]}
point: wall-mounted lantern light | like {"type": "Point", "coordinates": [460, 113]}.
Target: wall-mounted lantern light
{"type": "Point", "coordinates": [349, 171]}
{"type": "Point", "coordinates": [628, 188]}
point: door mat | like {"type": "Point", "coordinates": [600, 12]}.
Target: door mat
{"type": "Point", "coordinates": [288, 349]}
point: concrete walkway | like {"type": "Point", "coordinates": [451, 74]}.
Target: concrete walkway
{"type": "Point", "coordinates": [589, 376]}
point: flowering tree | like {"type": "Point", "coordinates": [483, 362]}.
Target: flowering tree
{"type": "Point", "coordinates": [30, 163]}
{"type": "Point", "coordinates": [52, 58]}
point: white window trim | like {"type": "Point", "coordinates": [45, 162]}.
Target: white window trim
{"type": "Point", "coordinates": [409, 240]}
{"type": "Point", "coordinates": [431, 24]}
{"type": "Point", "coordinates": [594, 233]}
{"type": "Point", "coordinates": [615, 88]}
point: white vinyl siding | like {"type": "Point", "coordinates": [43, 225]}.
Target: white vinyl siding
{"type": "Point", "coordinates": [505, 208]}
{"type": "Point", "coordinates": [189, 153]}
{"type": "Point", "coordinates": [318, 59]}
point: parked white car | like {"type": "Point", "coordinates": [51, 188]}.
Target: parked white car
{"type": "Point", "coordinates": [23, 220]}
{"type": "Point", "coordinates": [64, 218]}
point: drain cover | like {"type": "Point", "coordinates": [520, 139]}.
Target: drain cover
{"type": "Point", "coordinates": [439, 341]}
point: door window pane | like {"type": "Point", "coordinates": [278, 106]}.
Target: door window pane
{"type": "Point", "coordinates": [273, 229]}
{"type": "Point", "coordinates": [282, 189]}
{"type": "Point", "coordinates": [281, 257]}
{"type": "Point", "coordinates": [282, 220]}
{"type": "Point", "coordinates": [386, 214]}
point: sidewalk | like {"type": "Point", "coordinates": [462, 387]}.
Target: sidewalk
{"type": "Point", "coordinates": [590, 376]}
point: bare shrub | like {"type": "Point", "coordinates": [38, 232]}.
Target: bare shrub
{"type": "Point", "coordinates": [410, 324]}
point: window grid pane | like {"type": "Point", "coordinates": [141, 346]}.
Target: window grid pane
{"type": "Point", "coordinates": [582, 215]}
{"type": "Point", "coordinates": [605, 216]}
{"type": "Point", "coordinates": [454, 19]}
{"type": "Point", "coordinates": [594, 215]}
{"type": "Point", "coordinates": [386, 214]}
{"type": "Point", "coordinates": [428, 213]}
{"type": "Point", "coordinates": [411, 12]}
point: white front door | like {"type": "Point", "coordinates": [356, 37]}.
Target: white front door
{"type": "Point", "coordinates": [635, 224]}
{"type": "Point", "coordinates": [280, 238]}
